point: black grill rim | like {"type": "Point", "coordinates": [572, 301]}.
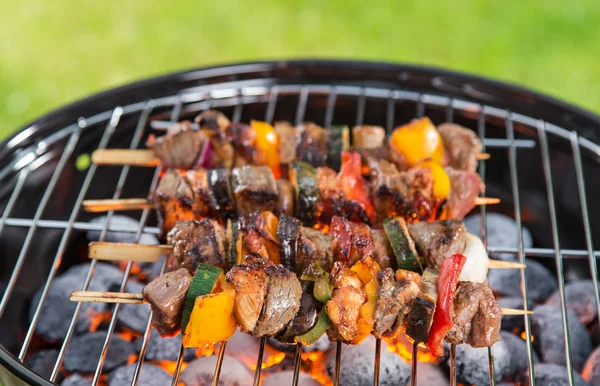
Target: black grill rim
{"type": "Point", "coordinates": [314, 71]}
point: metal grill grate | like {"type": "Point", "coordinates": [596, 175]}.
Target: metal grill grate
{"type": "Point", "coordinates": [243, 99]}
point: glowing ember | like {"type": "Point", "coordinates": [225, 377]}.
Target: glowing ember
{"type": "Point", "coordinates": [315, 364]}
{"type": "Point", "coordinates": [132, 359]}
{"type": "Point", "coordinates": [97, 318]}
{"type": "Point", "coordinates": [402, 346]}
{"type": "Point", "coordinates": [129, 334]}
{"type": "Point", "coordinates": [324, 228]}
{"type": "Point", "coordinates": [271, 360]}
{"type": "Point", "coordinates": [524, 336]}
{"type": "Point", "coordinates": [170, 366]}
{"type": "Point", "coordinates": [205, 351]}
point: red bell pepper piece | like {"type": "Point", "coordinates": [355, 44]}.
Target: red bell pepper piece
{"type": "Point", "coordinates": [444, 310]}
{"type": "Point", "coordinates": [352, 184]}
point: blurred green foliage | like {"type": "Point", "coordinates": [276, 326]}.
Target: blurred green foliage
{"type": "Point", "coordinates": [57, 51]}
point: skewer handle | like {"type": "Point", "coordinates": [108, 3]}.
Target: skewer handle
{"type": "Point", "coordinates": [500, 264]}
{"type": "Point", "coordinates": [102, 250]}
{"type": "Point", "coordinates": [512, 311]}
{"type": "Point", "coordinates": [483, 156]}
{"type": "Point", "coordinates": [106, 297]}
{"type": "Point", "coordinates": [125, 157]}
{"type": "Point", "coordinates": [487, 201]}
{"type": "Point", "coordinates": [119, 204]}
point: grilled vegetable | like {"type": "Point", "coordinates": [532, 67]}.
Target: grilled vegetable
{"type": "Point", "coordinates": [402, 244]}
{"type": "Point", "coordinates": [304, 178]}
{"type": "Point", "coordinates": [267, 145]}
{"type": "Point", "coordinates": [368, 137]}
{"type": "Point", "coordinates": [444, 310]}
{"type": "Point", "coordinates": [423, 308]}
{"type": "Point", "coordinates": [216, 308]}
{"type": "Point", "coordinates": [315, 333]}
{"type": "Point", "coordinates": [205, 280]}
{"type": "Point", "coordinates": [322, 288]}
{"type": "Point", "coordinates": [417, 141]}
{"type": "Point", "coordinates": [367, 269]}
{"type": "Point", "coordinates": [441, 181]}
{"type": "Point", "coordinates": [288, 233]}
{"type": "Point", "coordinates": [355, 188]}
{"type": "Point", "coordinates": [306, 317]}
{"type": "Point", "coordinates": [339, 140]}
{"type": "Point", "coordinates": [218, 180]}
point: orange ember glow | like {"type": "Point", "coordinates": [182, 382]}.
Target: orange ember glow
{"type": "Point", "coordinates": [128, 334]}
{"type": "Point", "coordinates": [169, 366]}
{"type": "Point", "coordinates": [524, 336]}
{"type": "Point", "coordinates": [315, 364]}
{"type": "Point", "coordinates": [97, 318]}
{"type": "Point", "coordinates": [205, 351]}
{"type": "Point", "coordinates": [402, 346]}
{"type": "Point", "coordinates": [132, 359]}
{"type": "Point", "coordinates": [324, 228]}
{"type": "Point", "coordinates": [272, 359]}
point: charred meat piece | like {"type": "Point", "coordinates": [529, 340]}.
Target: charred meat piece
{"type": "Point", "coordinates": [286, 197]}
{"type": "Point", "coordinates": [382, 249]}
{"type": "Point", "coordinates": [306, 317]}
{"type": "Point", "coordinates": [173, 200]}
{"type": "Point", "coordinates": [407, 288]}
{"type": "Point", "coordinates": [220, 189]}
{"type": "Point", "coordinates": [368, 137]}
{"type": "Point", "coordinates": [258, 232]}
{"type": "Point", "coordinates": [330, 194]}
{"type": "Point", "coordinates": [281, 303]}
{"type": "Point", "coordinates": [343, 308]}
{"type": "Point", "coordinates": [419, 202]}
{"type": "Point", "coordinates": [462, 146]}
{"type": "Point", "coordinates": [215, 125]}
{"type": "Point", "coordinates": [313, 245]}
{"type": "Point", "coordinates": [311, 144]}
{"type": "Point", "coordinates": [203, 203]}
{"type": "Point", "coordinates": [351, 241]}
{"type": "Point", "coordinates": [250, 283]}
{"type": "Point", "coordinates": [287, 142]}
{"type": "Point", "coordinates": [212, 121]}
{"type": "Point", "coordinates": [388, 188]}
{"type": "Point", "coordinates": [438, 240]}
{"type": "Point", "coordinates": [180, 147]}
{"type": "Point", "coordinates": [388, 306]}
{"type": "Point", "coordinates": [254, 189]}
{"type": "Point", "coordinates": [242, 137]}
{"type": "Point", "coordinates": [477, 316]}
{"type": "Point", "coordinates": [198, 242]}
{"type": "Point", "coordinates": [288, 233]}
{"type": "Point", "coordinates": [166, 296]}
{"type": "Point", "coordinates": [465, 186]}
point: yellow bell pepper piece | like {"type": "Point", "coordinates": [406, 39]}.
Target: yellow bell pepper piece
{"type": "Point", "coordinates": [441, 181]}
{"type": "Point", "coordinates": [267, 144]}
{"type": "Point", "coordinates": [367, 269]}
{"type": "Point", "coordinates": [212, 320]}
{"type": "Point", "coordinates": [418, 140]}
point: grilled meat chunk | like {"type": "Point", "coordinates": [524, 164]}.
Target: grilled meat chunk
{"type": "Point", "coordinates": [250, 283]}
{"type": "Point", "coordinates": [477, 316]}
{"type": "Point", "coordinates": [287, 142]}
{"type": "Point", "coordinates": [286, 197]}
{"type": "Point", "coordinates": [406, 289]}
{"type": "Point", "coordinates": [343, 308]}
{"type": "Point", "coordinates": [306, 317]}
{"type": "Point", "coordinates": [465, 186]}
{"type": "Point", "coordinates": [203, 203]}
{"type": "Point", "coordinates": [212, 121]}
{"type": "Point", "coordinates": [180, 147]}
{"type": "Point", "coordinates": [368, 137]}
{"type": "Point", "coordinates": [313, 245]}
{"type": "Point", "coordinates": [311, 144]}
{"type": "Point", "coordinates": [220, 189]}
{"type": "Point", "coordinates": [254, 189]}
{"type": "Point", "coordinates": [388, 306]}
{"type": "Point", "coordinates": [462, 146]}
{"type": "Point", "coordinates": [330, 194]}
{"type": "Point", "coordinates": [259, 236]}
{"type": "Point", "coordinates": [166, 296]}
{"type": "Point", "coordinates": [281, 303]}
{"type": "Point", "coordinates": [382, 249]}
{"type": "Point", "coordinates": [173, 200]}
{"type": "Point", "coordinates": [435, 241]}
{"type": "Point", "coordinates": [351, 241]}
{"type": "Point", "coordinates": [198, 242]}
{"type": "Point", "coordinates": [242, 138]}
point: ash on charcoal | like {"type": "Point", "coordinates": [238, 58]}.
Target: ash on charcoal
{"type": "Point", "coordinates": [513, 322]}
{"type": "Point", "coordinates": [541, 283]}
{"type": "Point", "coordinates": [245, 347]}
{"type": "Point", "coordinates": [357, 366]}
{"type": "Point", "coordinates": [580, 299]}
{"type": "Point", "coordinates": [502, 231]}
{"type": "Point", "coordinates": [546, 374]}
{"type": "Point", "coordinates": [58, 310]}
{"type": "Point", "coordinates": [200, 372]}
{"type": "Point", "coordinates": [517, 348]}
{"type": "Point", "coordinates": [287, 378]}
{"type": "Point", "coordinates": [42, 362]}
{"type": "Point", "coordinates": [547, 329]}
{"type": "Point", "coordinates": [133, 316]}
{"type": "Point", "coordinates": [76, 380]}
{"type": "Point", "coordinates": [84, 351]}
{"type": "Point", "coordinates": [120, 221]}
{"type": "Point", "coordinates": [150, 375]}
{"type": "Point", "coordinates": [159, 348]}
{"type": "Point", "coordinates": [591, 370]}
{"type": "Point", "coordinates": [472, 363]}
{"type": "Point", "coordinates": [431, 374]}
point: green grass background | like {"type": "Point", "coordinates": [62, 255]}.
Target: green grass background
{"type": "Point", "coordinates": [56, 51]}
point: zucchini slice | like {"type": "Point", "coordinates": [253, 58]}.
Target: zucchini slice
{"type": "Point", "coordinates": [339, 140]}
{"type": "Point", "coordinates": [315, 333]}
{"type": "Point", "coordinates": [402, 244]}
{"type": "Point", "coordinates": [232, 235]}
{"type": "Point", "coordinates": [206, 278]}
{"type": "Point", "coordinates": [304, 178]}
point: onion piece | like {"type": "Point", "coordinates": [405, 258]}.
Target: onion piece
{"type": "Point", "coordinates": [476, 267]}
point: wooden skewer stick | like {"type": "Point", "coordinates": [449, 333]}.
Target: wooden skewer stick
{"type": "Point", "coordinates": [486, 201]}
{"type": "Point", "coordinates": [102, 250]}
{"type": "Point", "coordinates": [123, 297]}
{"type": "Point", "coordinates": [499, 264]}
{"type": "Point", "coordinates": [483, 156]}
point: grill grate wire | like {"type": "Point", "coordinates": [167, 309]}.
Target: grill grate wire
{"type": "Point", "coordinates": [246, 95]}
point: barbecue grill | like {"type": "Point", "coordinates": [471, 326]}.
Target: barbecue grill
{"type": "Point", "coordinates": [544, 156]}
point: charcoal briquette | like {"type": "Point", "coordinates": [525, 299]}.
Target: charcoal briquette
{"type": "Point", "coordinates": [84, 351]}
{"type": "Point", "coordinates": [120, 221]}
{"type": "Point", "coordinates": [581, 299]}
{"type": "Point", "coordinates": [517, 348]}
{"type": "Point", "coordinates": [541, 283]}
{"type": "Point", "coordinates": [42, 362]}
{"type": "Point", "coordinates": [150, 375]}
{"type": "Point", "coordinates": [287, 378]}
{"type": "Point", "coordinates": [547, 329]}
{"type": "Point", "coordinates": [513, 322]}
{"type": "Point", "coordinates": [76, 380]}
{"type": "Point", "coordinates": [200, 371]}
{"type": "Point", "coordinates": [547, 374]}
{"type": "Point", "coordinates": [432, 374]}
{"type": "Point", "coordinates": [472, 363]}
{"type": "Point", "coordinates": [159, 348]}
{"type": "Point", "coordinates": [357, 366]}
{"type": "Point", "coordinates": [133, 316]}
{"type": "Point", "coordinates": [591, 370]}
